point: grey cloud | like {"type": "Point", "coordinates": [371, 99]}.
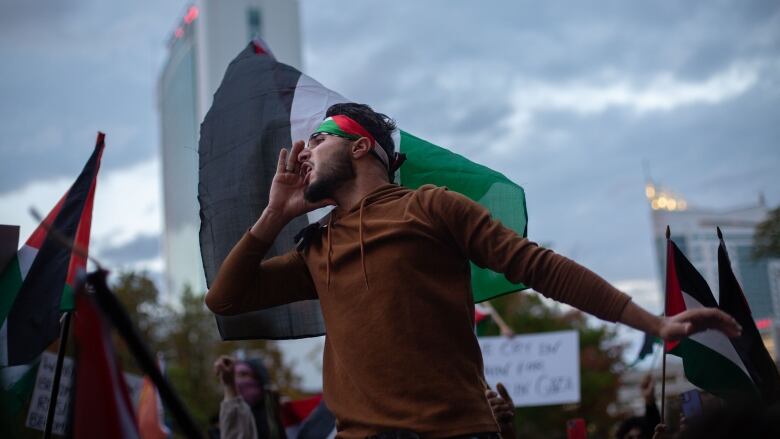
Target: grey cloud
{"type": "Point", "coordinates": [142, 248]}
{"type": "Point", "coordinates": [93, 68]}
{"type": "Point", "coordinates": [41, 14]}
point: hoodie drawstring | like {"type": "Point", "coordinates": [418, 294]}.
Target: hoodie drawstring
{"type": "Point", "coordinates": [330, 248]}
{"type": "Point", "coordinates": [362, 249]}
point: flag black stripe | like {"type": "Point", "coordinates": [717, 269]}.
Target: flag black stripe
{"type": "Point", "coordinates": [691, 282]}
{"type": "Point", "coordinates": [240, 140]}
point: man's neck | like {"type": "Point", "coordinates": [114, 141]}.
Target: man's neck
{"type": "Point", "coordinates": [353, 191]}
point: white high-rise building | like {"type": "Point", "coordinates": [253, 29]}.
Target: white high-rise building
{"type": "Point", "coordinates": [693, 230]}
{"type": "Point", "coordinates": [208, 36]}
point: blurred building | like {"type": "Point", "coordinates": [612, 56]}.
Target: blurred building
{"type": "Point", "coordinates": [207, 37]}
{"type": "Point", "coordinates": [693, 230]}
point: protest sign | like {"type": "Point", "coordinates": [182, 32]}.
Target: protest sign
{"type": "Point", "coordinates": [536, 369]}
{"type": "Point", "coordinates": [39, 403]}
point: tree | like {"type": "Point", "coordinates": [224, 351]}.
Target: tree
{"type": "Point", "coordinates": [600, 367]}
{"type": "Point", "coordinates": [139, 296]}
{"type": "Point", "coordinates": [766, 240]}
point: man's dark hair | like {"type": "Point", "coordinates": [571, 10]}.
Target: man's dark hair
{"type": "Point", "coordinates": [379, 125]}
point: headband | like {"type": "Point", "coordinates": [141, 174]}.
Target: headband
{"type": "Point", "coordinates": [346, 127]}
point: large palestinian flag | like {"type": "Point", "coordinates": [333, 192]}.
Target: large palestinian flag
{"type": "Point", "coordinates": [709, 358]}
{"type": "Point", "coordinates": [38, 283]}
{"type": "Point", "coordinates": [262, 106]}
{"type": "Point", "coordinates": [749, 345]}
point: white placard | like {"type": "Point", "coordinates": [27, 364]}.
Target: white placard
{"type": "Point", "coordinates": [39, 404]}
{"type": "Point", "coordinates": [537, 369]}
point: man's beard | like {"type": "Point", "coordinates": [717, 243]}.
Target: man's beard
{"type": "Point", "coordinates": [331, 178]}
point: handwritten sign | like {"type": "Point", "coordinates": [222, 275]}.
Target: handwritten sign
{"type": "Point", "coordinates": [538, 369]}
{"type": "Point", "coordinates": [39, 404]}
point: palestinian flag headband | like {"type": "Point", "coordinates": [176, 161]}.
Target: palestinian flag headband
{"type": "Point", "coordinates": [346, 127]}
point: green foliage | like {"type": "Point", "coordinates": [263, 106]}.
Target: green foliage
{"type": "Point", "coordinates": [600, 367]}
{"type": "Point", "coordinates": [766, 241]}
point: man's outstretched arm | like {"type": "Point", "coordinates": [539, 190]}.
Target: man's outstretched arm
{"type": "Point", "coordinates": [245, 282]}
{"type": "Point", "coordinates": [489, 244]}
{"type": "Point", "coordinates": [680, 325]}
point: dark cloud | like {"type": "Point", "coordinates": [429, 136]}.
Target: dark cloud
{"type": "Point", "coordinates": [71, 69]}
{"type": "Point", "coordinates": [142, 248]}
{"type": "Point", "coordinates": [40, 14]}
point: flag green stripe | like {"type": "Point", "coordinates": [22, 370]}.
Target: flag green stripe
{"type": "Point", "coordinates": [10, 283]}
{"type": "Point", "coordinates": [431, 164]}
{"type": "Point", "coordinates": [67, 301]}
{"type": "Point", "coordinates": [427, 162]}
{"type": "Point", "coordinates": [713, 372]}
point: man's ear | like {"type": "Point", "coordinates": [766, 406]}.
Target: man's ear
{"type": "Point", "coordinates": [361, 147]}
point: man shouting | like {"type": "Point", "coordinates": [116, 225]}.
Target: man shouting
{"type": "Point", "coordinates": [391, 271]}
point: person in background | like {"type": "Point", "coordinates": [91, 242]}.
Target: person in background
{"type": "Point", "coordinates": [247, 409]}
{"type": "Point", "coordinates": [641, 427]}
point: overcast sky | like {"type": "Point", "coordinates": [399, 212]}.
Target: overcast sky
{"type": "Point", "coordinates": [565, 98]}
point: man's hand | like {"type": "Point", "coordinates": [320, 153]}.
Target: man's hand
{"type": "Point", "coordinates": [503, 410]}
{"type": "Point", "coordinates": [660, 431]}
{"type": "Point", "coordinates": [285, 200]}
{"type": "Point", "coordinates": [681, 325]}
{"type": "Point", "coordinates": [286, 196]}
{"type": "Point", "coordinates": [697, 320]}
{"type": "Point", "coordinates": [224, 369]}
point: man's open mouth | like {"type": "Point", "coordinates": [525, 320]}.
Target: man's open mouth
{"type": "Point", "coordinates": [306, 169]}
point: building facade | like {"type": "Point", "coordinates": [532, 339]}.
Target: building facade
{"type": "Point", "coordinates": [207, 37]}
{"type": "Point", "coordinates": [693, 229]}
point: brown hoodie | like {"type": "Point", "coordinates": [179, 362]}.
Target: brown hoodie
{"type": "Point", "coordinates": [393, 279]}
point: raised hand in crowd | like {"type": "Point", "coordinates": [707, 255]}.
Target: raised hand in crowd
{"type": "Point", "coordinates": [503, 409]}
{"type": "Point", "coordinates": [224, 369]}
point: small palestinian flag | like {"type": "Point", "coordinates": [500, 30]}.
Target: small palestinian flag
{"type": "Point", "coordinates": [749, 345]}
{"type": "Point", "coordinates": [38, 283]}
{"type": "Point", "coordinates": [262, 106]}
{"type": "Point", "coordinates": [709, 358]}
{"type": "Point", "coordinates": [102, 405]}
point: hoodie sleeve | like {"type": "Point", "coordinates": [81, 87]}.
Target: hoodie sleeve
{"type": "Point", "coordinates": [246, 283]}
{"type": "Point", "coordinates": [490, 244]}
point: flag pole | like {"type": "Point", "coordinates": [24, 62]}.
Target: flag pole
{"type": "Point", "coordinates": [55, 387]}
{"type": "Point", "coordinates": [663, 342]}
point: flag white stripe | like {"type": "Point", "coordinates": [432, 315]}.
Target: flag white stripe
{"type": "Point", "coordinates": [26, 257]}
{"type": "Point", "coordinates": [310, 102]}
{"type": "Point", "coordinates": [715, 340]}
